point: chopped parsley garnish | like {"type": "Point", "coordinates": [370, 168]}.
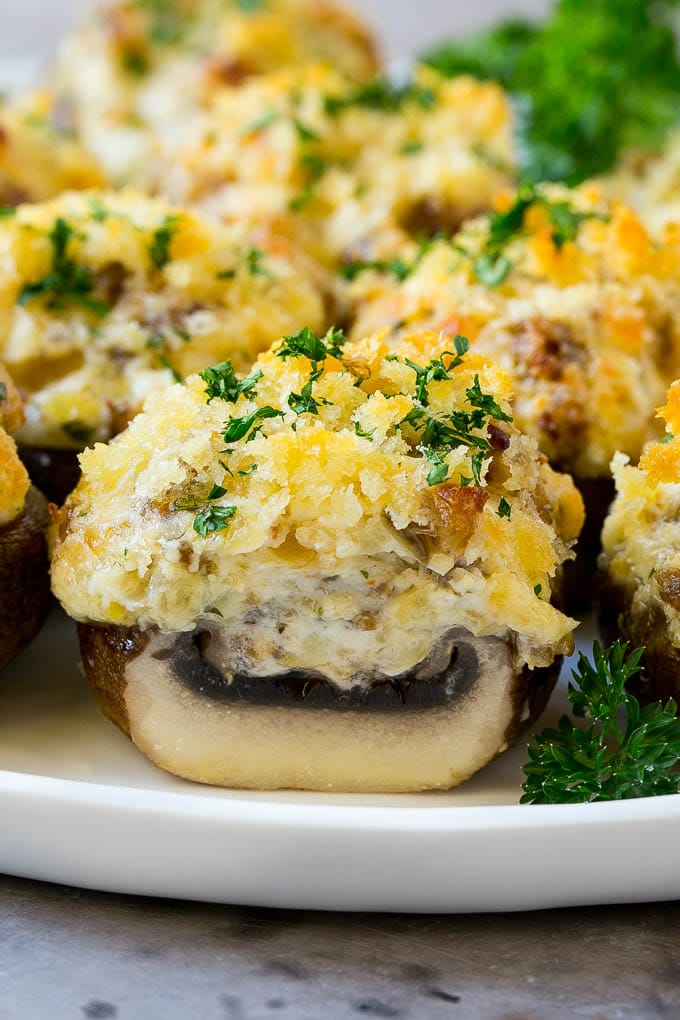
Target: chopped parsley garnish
{"type": "Point", "coordinates": [668, 438]}
{"type": "Point", "coordinates": [6, 211]}
{"type": "Point", "coordinates": [592, 81]}
{"type": "Point", "coordinates": [313, 166]}
{"type": "Point", "coordinates": [161, 243]}
{"type": "Point", "coordinates": [167, 23]}
{"type": "Point", "coordinates": [305, 343]}
{"type": "Point", "coordinates": [3, 392]}
{"type": "Point", "coordinates": [78, 431]}
{"type": "Point", "coordinates": [397, 266]}
{"type": "Point", "coordinates": [251, 6]}
{"type": "Point", "coordinates": [260, 124]}
{"type": "Point", "coordinates": [250, 425]}
{"type": "Point", "coordinates": [254, 259]}
{"type": "Point", "coordinates": [493, 266]}
{"type": "Point", "coordinates": [215, 518]}
{"type": "Point", "coordinates": [66, 280]}
{"type": "Point", "coordinates": [504, 508]}
{"type": "Point", "coordinates": [98, 210]}
{"type": "Point", "coordinates": [410, 147]}
{"type": "Point", "coordinates": [624, 751]}
{"type": "Point", "coordinates": [436, 371]}
{"type": "Point", "coordinates": [135, 62]}
{"type": "Point", "coordinates": [362, 433]}
{"type": "Point", "coordinates": [222, 383]}
{"type": "Point", "coordinates": [304, 133]}
{"type": "Point", "coordinates": [437, 437]}
{"type": "Point", "coordinates": [537, 590]}
{"type": "Point", "coordinates": [381, 94]}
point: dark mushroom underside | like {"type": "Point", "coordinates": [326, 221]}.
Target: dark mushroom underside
{"type": "Point", "coordinates": [54, 472]}
{"type": "Point", "coordinates": [24, 577]}
{"type": "Point", "coordinates": [107, 651]}
{"type": "Point", "coordinates": [648, 630]}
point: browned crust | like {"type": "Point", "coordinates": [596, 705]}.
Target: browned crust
{"type": "Point", "coordinates": [613, 604]}
{"type": "Point", "coordinates": [54, 472]}
{"type": "Point", "coordinates": [106, 652]}
{"type": "Point", "coordinates": [579, 574]}
{"type": "Point", "coordinates": [24, 577]}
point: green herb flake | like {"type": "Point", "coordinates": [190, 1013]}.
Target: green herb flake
{"type": "Point", "coordinates": [504, 508]}
{"type": "Point", "coordinates": [537, 590]}
{"type": "Point", "coordinates": [362, 433]}
{"type": "Point", "coordinates": [98, 210]}
{"type": "Point", "coordinates": [66, 280]}
{"type": "Point", "coordinates": [623, 751]}
{"type": "Point", "coordinates": [381, 94]}
{"type": "Point", "coordinates": [250, 425]}
{"type": "Point", "coordinates": [215, 518]}
{"type": "Point", "coordinates": [260, 124]}
{"type": "Point", "coordinates": [78, 431]}
{"type": "Point", "coordinates": [437, 437]}
{"type": "Point", "coordinates": [222, 383]}
{"type": "Point", "coordinates": [254, 259]}
{"type": "Point", "coordinates": [161, 243]}
{"type": "Point", "coordinates": [3, 392]}
{"type": "Point", "coordinates": [305, 133]}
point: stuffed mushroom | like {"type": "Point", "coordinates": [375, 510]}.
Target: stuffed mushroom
{"type": "Point", "coordinates": [24, 573]}
{"type": "Point", "coordinates": [574, 298]}
{"type": "Point", "coordinates": [355, 171]}
{"type": "Point", "coordinates": [107, 297]}
{"type": "Point", "coordinates": [135, 71]}
{"type": "Point", "coordinates": [335, 573]}
{"type": "Point", "coordinates": [639, 584]}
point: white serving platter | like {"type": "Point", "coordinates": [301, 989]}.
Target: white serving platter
{"type": "Point", "coordinates": [79, 805]}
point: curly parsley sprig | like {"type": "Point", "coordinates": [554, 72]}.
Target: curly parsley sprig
{"type": "Point", "coordinates": [624, 752]}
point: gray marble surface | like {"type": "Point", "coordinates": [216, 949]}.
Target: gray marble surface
{"type": "Point", "coordinates": [66, 954]}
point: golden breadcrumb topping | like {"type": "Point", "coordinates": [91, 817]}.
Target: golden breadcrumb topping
{"type": "Point", "coordinates": [338, 497]}
{"type": "Point", "coordinates": [571, 295]}
{"type": "Point", "coordinates": [641, 537]}
{"type": "Point", "coordinates": [648, 183]}
{"type": "Point", "coordinates": [136, 69]}
{"type": "Point", "coordinates": [353, 170]}
{"type": "Point", "coordinates": [14, 481]}
{"type": "Point", "coordinates": [107, 297]}
{"type": "Point", "coordinates": [38, 159]}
